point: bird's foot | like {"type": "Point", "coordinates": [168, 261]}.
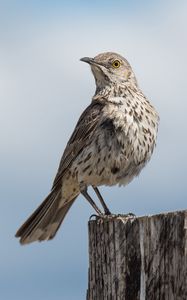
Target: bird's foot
{"type": "Point", "coordinates": [109, 215]}
{"type": "Point", "coordinates": [129, 215]}
{"type": "Point", "coordinates": [107, 212]}
{"type": "Point", "coordinates": [93, 216]}
{"type": "Point", "coordinates": [102, 216]}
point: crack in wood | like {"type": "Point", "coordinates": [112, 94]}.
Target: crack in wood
{"type": "Point", "coordinates": [138, 258]}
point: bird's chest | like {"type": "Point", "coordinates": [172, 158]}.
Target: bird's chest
{"type": "Point", "coordinates": [121, 145]}
{"type": "Point", "coordinates": [128, 134]}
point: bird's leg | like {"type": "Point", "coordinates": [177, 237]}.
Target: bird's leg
{"type": "Point", "coordinates": [89, 199]}
{"type": "Point", "coordinates": [107, 211]}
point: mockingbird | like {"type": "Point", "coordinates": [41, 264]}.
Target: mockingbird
{"type": "Point", "coordinates": [111, 143]}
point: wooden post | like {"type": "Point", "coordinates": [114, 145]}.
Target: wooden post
{"type": "Point", "coordinates": [138, 258]}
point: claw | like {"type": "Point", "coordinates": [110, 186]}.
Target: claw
{"type": "Point", "coordinates": [93, 216]}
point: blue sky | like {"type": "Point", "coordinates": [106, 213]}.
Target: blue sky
{"type": "Point", "coordinates": [44, 88]}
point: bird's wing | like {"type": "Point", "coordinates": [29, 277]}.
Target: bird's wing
{"type": "Point", "coordinates": [80, 137]}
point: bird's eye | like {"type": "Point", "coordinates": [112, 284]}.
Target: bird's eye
{"type": "Point", "coordinates": [116, 64]}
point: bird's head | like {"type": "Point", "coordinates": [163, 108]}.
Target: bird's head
{"type": "Point", "coordinates": [110, 68]}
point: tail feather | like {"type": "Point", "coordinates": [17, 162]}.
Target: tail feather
{"type": "Point", "coordinates": [57, 221]}
{"type": "Point", "coordinates": [37, 215]}
{"type": "Point", "coordinates": [45, 220]}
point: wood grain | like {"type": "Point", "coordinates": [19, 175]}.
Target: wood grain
{"type": "Point", "coordinates": [138, 258]}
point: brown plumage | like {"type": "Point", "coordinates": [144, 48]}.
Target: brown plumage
{"type": "Point", "coordinates": [112, 141]}
{"type": "Point", "coordinates": [48, 215]}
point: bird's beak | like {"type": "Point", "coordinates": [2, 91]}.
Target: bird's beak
{"type": "Point", "coordinates": [92, 62]}
{"type": "Point", "coordinates": [88, 60]}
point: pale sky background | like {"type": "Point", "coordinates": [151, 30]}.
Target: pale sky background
{"type": "Point", "coordinates": [44, 88]}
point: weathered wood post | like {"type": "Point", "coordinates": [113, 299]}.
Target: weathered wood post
{"type": "Point", "coordinates": [138, 258]}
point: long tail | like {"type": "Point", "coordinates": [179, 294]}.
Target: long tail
{"type": "Point", "coordinates": [45, 220]}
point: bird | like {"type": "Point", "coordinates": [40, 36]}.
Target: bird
{"type": "Point", "coordinates": [113, 140]}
